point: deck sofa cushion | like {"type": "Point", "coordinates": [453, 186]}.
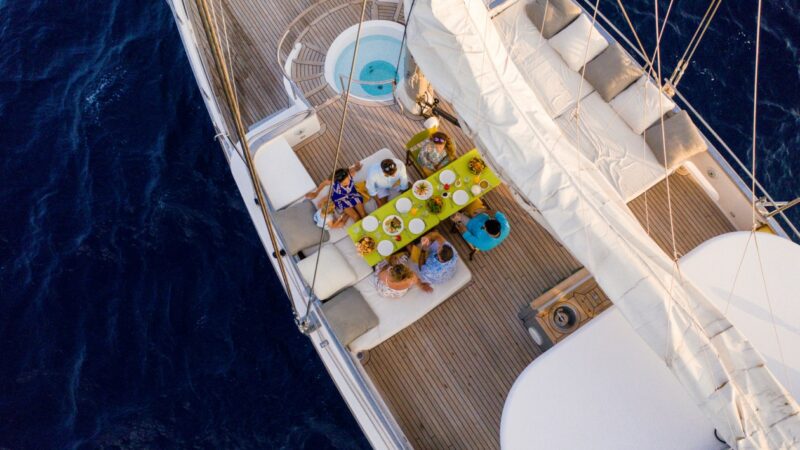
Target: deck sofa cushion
{"type": "Point", "coordinates": [551, 16]}
{"type": "Point", "coordinates": [611, 72]}
{"type": "Point", "coordinates": [556, 86]}
{"type": "Point", "coordinates": [571, 42]}
{"type": "Point", "coordinates": [349, 315]}
{"type": "Point", "coordinates": [622, 156]}
{"type": "Point", "coordinates": [297, 227]}
{"type": "Point", "coordinates": [395, 314]}
{"type": "Point", "coordinates": [334, 272]}
{"type": "Point", "coordinates": [348, 249]}
{"type": "Point", "coordinates": [639, 105]}
{"type": "Point", "coordinates": [683, 140]}
{"type": "Point", "coordinates": [282, 175]}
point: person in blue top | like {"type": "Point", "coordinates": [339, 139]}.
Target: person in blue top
{"type": "Point", "coordinates": [485, 230]}
{"type": "Point", "coordinates": [438, 261]}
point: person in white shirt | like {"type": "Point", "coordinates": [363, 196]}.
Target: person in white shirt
{"type": "Point", "coordinates": [387, 177]}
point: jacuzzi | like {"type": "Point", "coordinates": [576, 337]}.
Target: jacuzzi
{"type": "Point", "coordinates": [378, 54]}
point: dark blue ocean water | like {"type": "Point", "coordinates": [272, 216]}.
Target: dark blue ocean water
{"type": "Point", "coordinates": [137, 307]}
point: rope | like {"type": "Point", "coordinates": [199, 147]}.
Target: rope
{"type": "Point", "coordinates": [339, 140]}
{"type": "Point", "coordinates": [755, 113]}
{"type": "Point", "coordinates": [403, 40]}
{"type": "Point", "coordinates": [691, 48]}
{"type": "Point", "coordinates": [233, 104]}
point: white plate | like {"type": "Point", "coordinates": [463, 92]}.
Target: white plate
{"type": "Point", "coordinates": [385, 248]}
{"type": "Point", "coordinates": [460, 197]}
{"type": "Point", "coordinates": [369, 223]}
{"type": "Point", "coordinates": [427, 194]}
{"type": "Point", "coordinates": [402, 205]}
{"type": "Point", "coordinates": [416, 226]}
{"type": "Point", "coordinates": [386, 222]}
{"type": "Point", "coordinates": [447, 176]}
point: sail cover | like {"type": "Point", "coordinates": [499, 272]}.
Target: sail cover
{"type": "Point", "coordinates": [456, 46]}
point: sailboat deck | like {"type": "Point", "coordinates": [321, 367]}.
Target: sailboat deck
{"type": "Point", "coordinates": [445, 378]}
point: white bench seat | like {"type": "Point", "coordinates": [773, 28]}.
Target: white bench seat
{"type": "Point", "coordinates": [282, 175]}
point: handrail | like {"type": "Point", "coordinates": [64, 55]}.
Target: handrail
{"type": "Point", "coordinates": [718, 139]}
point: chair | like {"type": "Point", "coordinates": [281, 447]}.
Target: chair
{"type": "Point", "coordinates": [414, 145]}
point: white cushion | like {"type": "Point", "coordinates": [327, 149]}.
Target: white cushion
{"type": "Point", "coordinates": [395, 314]}
{"type": "Point", "coordinates": [570, 42]}
{"type": "Point", "coordinates": [638, 105]}
{"type": "Point", "coordinates": [356, 262]}
{"type": "Point", "coordinates": [622, 156]}
{"type": "Point", "coordinates": [282, 175]}
{"type": "Point", "coordinates": [556, 85]}
{"type": "Point", "coordinates": [334, 272]}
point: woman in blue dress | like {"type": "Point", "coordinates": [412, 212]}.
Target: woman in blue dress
{"type": "Point", "coordinates": [344, 194]}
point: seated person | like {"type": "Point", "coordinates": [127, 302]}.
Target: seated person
{"type": "Point", "coordinates": [394, 277]}
{"type": "Point", "coordinates": [387, 177]}
{"type": "Point", "coordinates": [436, 152]}
{"type": "Point", "coordinates": [344, 194]}
{"type": "Point", "coordinates": [437, 261]}
{"type": "Point", "coordinates": [484, 231]}
{"type": "Point", "coordinates": [326, 211]}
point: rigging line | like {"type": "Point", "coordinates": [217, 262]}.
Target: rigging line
{"type": "Point", "coordinates": [339, 142]}
{"type": "Point", "coordinates": [663, 135]}
{"type": "Point", "coordinates": [403, 40]}
{"type": "Point", "coordinates": [691, 48]}
{"type": "Point", "coordinates": [772, 315]}
{"type": "Point", "coordinates": [578, 156]}
{"type": "Point", "coordinates": [755, 112]}
{"type": "Point", "coordinates": [222, 72]}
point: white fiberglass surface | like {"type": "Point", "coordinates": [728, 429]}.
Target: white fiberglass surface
{"type": "Point", "coordinates": [378, 55]}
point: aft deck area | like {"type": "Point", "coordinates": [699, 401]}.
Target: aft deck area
{"type": "Point", "coordinates": [445, 378]}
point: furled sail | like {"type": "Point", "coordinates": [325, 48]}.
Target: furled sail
{"type": "Point", "coordinates": [457, 47]}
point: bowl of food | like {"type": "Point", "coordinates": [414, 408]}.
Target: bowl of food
{"type": "Point", "coordinates": [422, 189]}
{"type": "Point", "coordinates": [476, 166]}
{"type": "Point", "coordinates": [393, 225]}
{"type": "Point", "coordinates": [435, 204]}
{"type": "Point", "coordinates": [365, 246]}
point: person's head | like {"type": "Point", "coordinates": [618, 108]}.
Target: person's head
{"type": "Point", "coordinates": [492, 226]}
{"type": "Point", "coordinates": [399, 272]}
{"type": "Point", "coordinates": [445, 253]}
{"type": "Point", "coordinates": [389, 167]}
{"type": "Point", "coordinates": [439, 140]}
{"type": "Point", "coordinates": [341, 176]}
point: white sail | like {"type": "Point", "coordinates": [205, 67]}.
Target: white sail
{"type": "Point", "coordinates": [458, 49]}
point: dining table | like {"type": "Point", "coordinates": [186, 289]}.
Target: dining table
{"type": "Point", "coordinates": [456, 185]}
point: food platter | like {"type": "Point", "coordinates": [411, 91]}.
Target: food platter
{"type": "Point", "coordinates": [365, 246]}
{"type": "Point", "coordinates": [422, 189]}
{"type": "Point", "coordinates": [393, 225]}
{"type": "Point", "coordinates": [370, 223]}
{"type": "Point", "coordinates": [402, 205]}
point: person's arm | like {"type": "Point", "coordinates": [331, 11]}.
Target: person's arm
{"type": "Point", "coordinates": [403, 175]}
{"type": "Point", "coordinates": [471, 239]}
{"type": "Point", "coordinates": [423, 285]}
{"type": "Point", "coordinates": [372, 188]}
{"type": "Point", "coordinates": [319, 188]}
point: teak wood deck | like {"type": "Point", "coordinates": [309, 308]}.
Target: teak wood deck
{"type": "Point", "coordinates": [446, 377]}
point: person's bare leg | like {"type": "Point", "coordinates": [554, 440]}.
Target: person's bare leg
{"type": "Point", "coordinates": [353, 214]}
{"type": "Point", "coordinates": [360, 210]}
